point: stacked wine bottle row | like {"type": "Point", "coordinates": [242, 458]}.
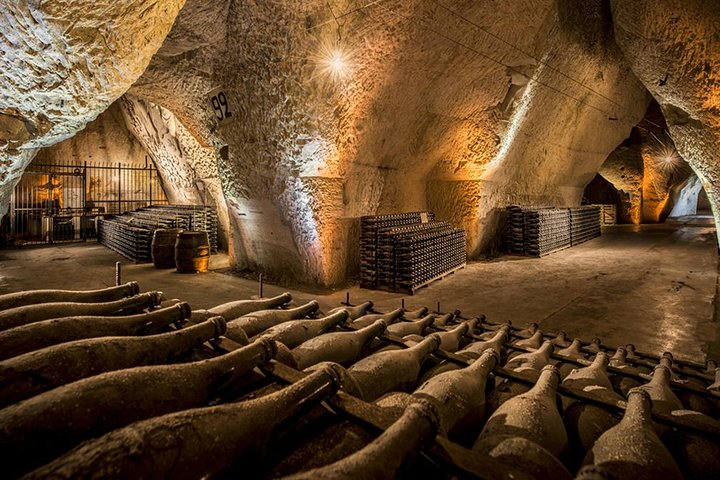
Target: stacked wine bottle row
{"type": "Point", "coordinates": [546, 231]}
{"type": "Point", "coordinates": [405, 258]}
{"type": "Point", "coordinates": [514, 228]}
{"type": "Point", "coordinates": [130, 234]}
{"type": "Point", "coordinates": [584, 224]}
{"type": "Point", "coordinates": [129, 241]}
{"type": "Point", "coordinates": [252, 388]}
{"type": "Point", "coordinates": [539, 231]}
{"type": "Point", "coordinates": [370, 227]}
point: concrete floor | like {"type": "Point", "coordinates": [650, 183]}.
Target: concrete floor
{"type": "Point", "coordinates": [652, 285]}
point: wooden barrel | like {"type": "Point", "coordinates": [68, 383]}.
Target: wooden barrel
{"type": "Point", "coordinates": [163, 248]}
{"type": "Point", "coordinates": [192, 252]}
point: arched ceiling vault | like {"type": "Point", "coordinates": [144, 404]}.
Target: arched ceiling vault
{"type": "Point", "coordinates": [459, 107]}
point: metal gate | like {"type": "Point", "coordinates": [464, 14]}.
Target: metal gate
{"type": "Point", "coordinates": [60, 202]}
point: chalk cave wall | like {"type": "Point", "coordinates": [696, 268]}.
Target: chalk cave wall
{"type": "Point", "coordinates": [426, 119]}
{"type": "Point", "coordinates": [461, 113]}
{"type": "Point", "coordinates": [105, 140]}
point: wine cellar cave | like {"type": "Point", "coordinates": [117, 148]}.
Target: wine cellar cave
{"type": "Point", "coordinates": [360, 239]}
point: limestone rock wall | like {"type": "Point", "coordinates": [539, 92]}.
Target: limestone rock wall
{"type": "Point", "coordinates": [188, 170]}
{"type": "Point", "coordinates": [104, 140]}
{"type": "Point", "coordinates": [459, 110]}
{"type": "Point", "coordinates": [64, 62]}
{"type": "Point", "coordinates": [686, 196]}
{"type": "Point", "coordinates": [673, 48]}
{"type": "Point", "coordinates": [647, 169]}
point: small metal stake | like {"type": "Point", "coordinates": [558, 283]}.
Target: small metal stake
{"type": "Point", "coordinates": [438, 309]}
{"type": "Point", "coordinates": [402, 303]}
{"type": "Point", "coordinates": [117, 273]}
{"type": "Point", "coordinates": [347, 298]}
{"type": "Point", "coordinates": [260, 286]}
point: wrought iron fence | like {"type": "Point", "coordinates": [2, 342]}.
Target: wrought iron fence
{"type": "Point", "coordinates": [61, 201]}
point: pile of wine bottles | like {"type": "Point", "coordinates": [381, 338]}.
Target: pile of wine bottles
{"type": "Point", "coordinates": [407, 251]}
{"type": "Point", "coordinates": [130, 234]}
{"type": "Point", "coordinates": [539, 231]}
{"type": "Point", "coordinates": [114, 383]}
{"type": "Point", "coordinates": [584, 223]}
{"type": "Point", "coordinates": [128, 240]}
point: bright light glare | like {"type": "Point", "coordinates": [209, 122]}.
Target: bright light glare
{"type": "Point", "coordinates": [334, 62]}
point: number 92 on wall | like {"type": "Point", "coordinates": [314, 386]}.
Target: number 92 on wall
{"type": "Point", "coordinates": [221, 105]}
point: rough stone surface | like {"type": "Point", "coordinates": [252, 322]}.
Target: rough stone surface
{"type": "Point", "coordinates": [673, 47]}
{"type": "Point", "coordinates": [63, 63]}
{"type": "Point", "coordinates": [441, 109]}
{"type": "Point", "coordinates": [686, 196]}
{"type": "Point", "coordinates": [105, 140]}
{"type": "Point", "coordinates": [646, 169]}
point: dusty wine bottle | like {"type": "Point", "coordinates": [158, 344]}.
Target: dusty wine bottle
{"type": "Point", "coordinates": [416, 327]}
{"type": "Point", "coordinates": [354, 312]}
{"type": "Point", "coordinates": [394, 370]}
{"type": "Point", "coordinates": [338, 347]}
{"type": "Point", "coordinates": [30, 297]}
{"type": "Point", "coordinates": [15, 317]}
{"type": "Point", "coordinates": [591, 377]}
{"type": "Point", "coordinates": [585, 422]}
{"type": "Point", "coordinates": [560, 339]}
{"type": "Point", "coordinates": [415, 314]}
{"type": "Point", "coordinates": [45, 333]}
{"type": "Point", "coordinates": [532, 415]}
{"type": "Point", "coordinates": [384, 457]}
{"type": "Point", "coordinates": [450, 340]}
{"type": "Point", "coordinates": [257, 322]}
{"type": "Point", "coordinates": [295, 332]}
{"type": "Point", "coordinates": [470, 353]}
{"type": "Point", "coordinates": [180, 445]}
{"type": "Point", "coordinates": [238, 308]}
{"type": "Point", "coordinates": [574, 352]}
{"type": "Point", "coordinates": [623, 383]}
{"type": "Point", "coordinates": [443, 320]}
{"type": "Point", "coordinates": [631, 449]}
{"type": "Point", "coordinates": [50, 424]}
{"type": "Point", "coordinates": [460, 395]}
{"type": "Point", "coordinates": [698, 456]}
{"type": "Point", "coordinates": [369, 319]}
{"type": "Point", "coordinates": [532, 342]}
{"type": "Point", "coordinates": [521, 455]}
{"type": "Point", "coordinates": [35, 372]}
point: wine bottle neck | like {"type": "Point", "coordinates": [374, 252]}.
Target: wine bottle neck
{"type": "Point", "coordinates": [359, 310]}
{"type": "Point", "coordinates": [276, 301]}
{"type": "Point", "coordinates": [600, 362]}
{"type": "Point", "coordinates": [426, 347]}
{"type": "Point", "coordinates": [258, 352]}
{"type": "Point", "coordinates": [333, 319]}
{"type": "Point", "coordinates": [484, 365]}
{"type": "Point", "coordinates": [545, 349]}
{"type": "Point", "coordinates": [547, 382]}
{"type": "Point", "coordinates": [619, 357]}
{"type": "Point", "coordinates": [661, 376]}
{"type": "Point", "coordinates": [638, 409]}
{"type": "Point", "coordinates": [394, 315]}
{"type": "Point", "coordinates": [302, 310]}
{"type": "Point", "coordinates": [371, 331]}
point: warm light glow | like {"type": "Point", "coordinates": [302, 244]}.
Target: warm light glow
{"type": "Point", "coordinates": [334, 62]}
{"type": "Point", "coordinates": [665, 157]}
